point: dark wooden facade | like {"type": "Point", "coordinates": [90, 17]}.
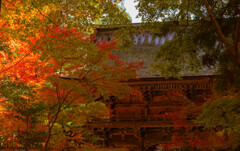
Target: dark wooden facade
{"type": "Point", "coordinates": [135, 124]}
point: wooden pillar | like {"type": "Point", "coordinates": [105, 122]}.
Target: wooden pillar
{"type": "Point", "coordinates": [117, 116]}
{"type": "Point", "coordinates": [141, 135]}
{"type": "Point", "coordinates": [123, 133]}
{"type": "Point", "coordinates": [147, 113]}
{"type": "Point", "coordinates": [106, 132]}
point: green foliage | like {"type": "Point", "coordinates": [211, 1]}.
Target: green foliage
{"type": "Point", "coordinates": [125, 36]}
{"type": "Point", "coordinates": [185, 55]}
{"type": "Point", "coordinates": [223, 112]}
{"type": "Point", "coordinates": [27, 114]}
{"type": "Point", "coordinates": [117, 15]}
{"type": "Point", "coordinates": [222, 115]}
{"type": "Point", "coordinates": [183, 10]}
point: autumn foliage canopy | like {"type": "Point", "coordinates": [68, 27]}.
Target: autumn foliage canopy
{"type": "Point", "coordinates": [52, 71]}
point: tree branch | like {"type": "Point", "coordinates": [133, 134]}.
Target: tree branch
{"type": "Point", "coordinates": [58, 97]}
{"type": "Point", "coordinates": [47, 18]}
{"type": "Point", "coordinates": [237, 35]}
{"type": "Point", "coordinates": [91, 68]}
{"type": "Point", "coordinates": [188, 11]}
{"type": "Point", "coordinates": [15, 63]}
{"type": "Point", "coordinates": [69, 104]}
{"type": "Point", "coordinates": [230, 49]}
{"type": "Point", "coordinates": [65, 98]}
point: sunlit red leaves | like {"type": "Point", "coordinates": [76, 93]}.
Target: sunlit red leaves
{"type": "Point", "coordinates": [21, 59]}
{"type": "Point", "coordinates": [28, 69]}
{"type": "Point", "coordinates": [22, 63]}
{"type": "Point", "coordinates": [107, 46]}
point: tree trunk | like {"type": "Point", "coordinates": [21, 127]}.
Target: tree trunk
{"type": "Point", "coordinates": [27, 135]}
{"type": "Point", "coordinates": [50, 126]}
{"type": "Point", "coordinates": [229, 47]}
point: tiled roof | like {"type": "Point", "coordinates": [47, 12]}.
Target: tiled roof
{"type": "Point", "coordinates": [145, 48]}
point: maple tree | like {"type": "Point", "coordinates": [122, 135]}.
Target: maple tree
{"type": "Point", "coordinates": [49, 57]}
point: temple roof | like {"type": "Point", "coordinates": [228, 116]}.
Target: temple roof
{"type": "Point", "coordinates": [145, 48]}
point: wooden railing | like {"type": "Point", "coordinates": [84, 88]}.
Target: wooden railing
{"type": "Point", "coordinates": [138, 118]}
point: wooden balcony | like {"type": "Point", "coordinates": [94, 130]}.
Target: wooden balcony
{"type": "Point", "coordinates": [141, 121]}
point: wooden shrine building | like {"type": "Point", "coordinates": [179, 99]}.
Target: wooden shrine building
{"type": "Point", "coordinates": [135, 123]}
